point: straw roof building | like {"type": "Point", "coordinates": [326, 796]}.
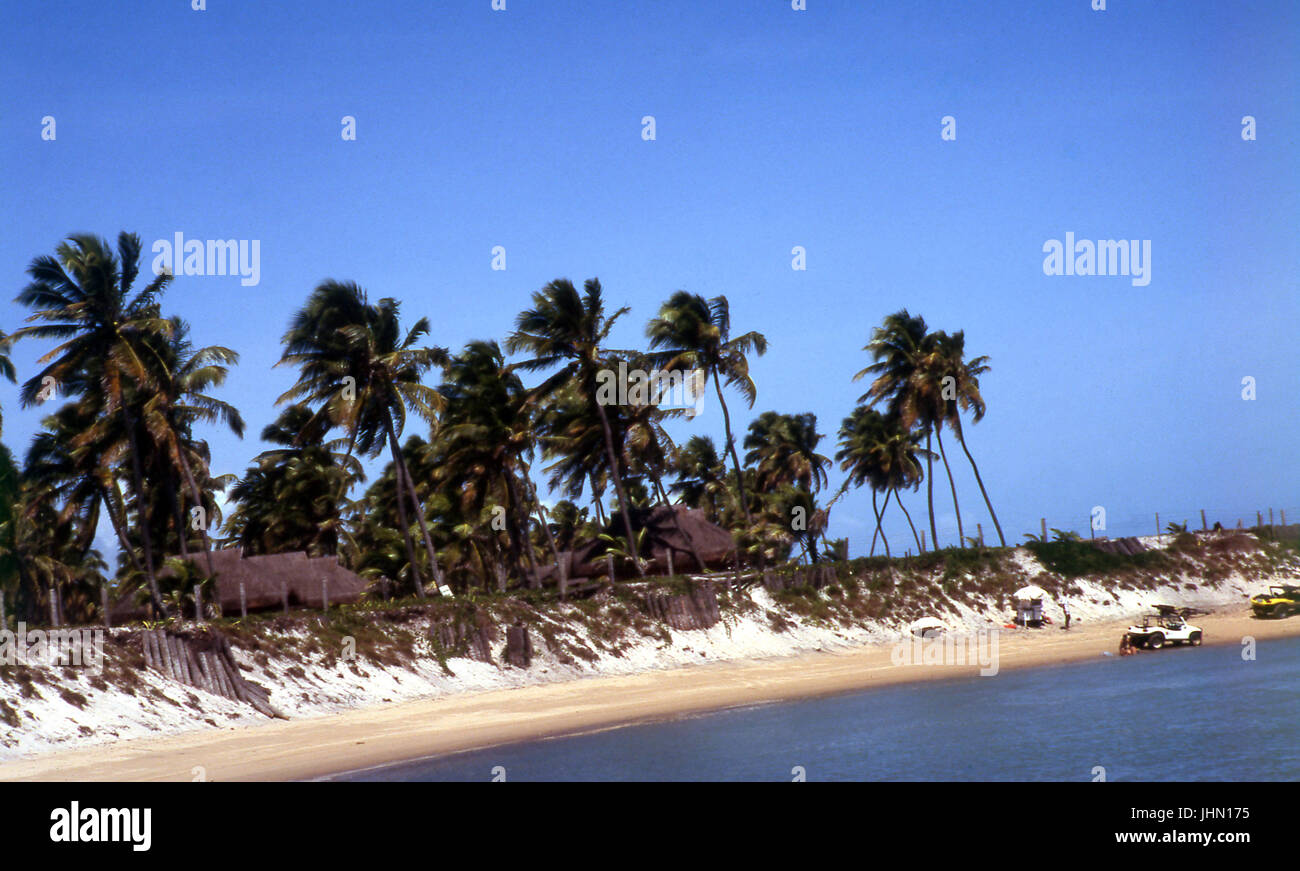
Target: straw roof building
{"type": "Point", "coordinates": [266, 579]}
{"type": "Point", "coordinates": [664, 534]}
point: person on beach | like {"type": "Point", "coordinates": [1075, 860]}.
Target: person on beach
{"type": "Point", "coordinates": [1126, 646]}
{"type": "Point", "coordinates": [1066, 608]}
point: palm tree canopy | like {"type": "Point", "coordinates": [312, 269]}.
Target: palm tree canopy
{"type": "Point", "coordinates": [357, 365]}
{"type": "Point", "coordinates": [783, 450]}
{"type": "Point", "coordinates": [694, 333]}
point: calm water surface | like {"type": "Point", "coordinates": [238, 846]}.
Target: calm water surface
{"type": "Point", "coordinates": [1178, 714]}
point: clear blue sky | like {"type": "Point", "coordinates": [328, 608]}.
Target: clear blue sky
{"type": "Point", "coordinates": [775, 128]}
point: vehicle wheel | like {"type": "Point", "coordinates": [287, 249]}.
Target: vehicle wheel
{"type": "Point", "coordinates": [1156, 641]}
{"type": "Point", "coordinates": [1279, 611]}
{"type": "Point", "coordinates": [1195, 640]}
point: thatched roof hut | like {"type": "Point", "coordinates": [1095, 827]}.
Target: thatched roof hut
{"type": "Point", "coordinates": [676, 530]}
{"type": "Point", "coordinates": [266, 578]}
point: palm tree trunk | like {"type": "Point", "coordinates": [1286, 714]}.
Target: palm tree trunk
{"type": "Point", "coordinates": [980, 481]}
{"type": "Point", "coordinates": [880, 522]}
{"type": "Point", "coordinates": [177, 500]}
{"type": "Point", "coordinates": [961, 533]}
{"type": "Point", "coordinates": [908, 515]}
{"type": "Point", "coordinates": [521, 531]}
{"type": "Point", "coordinates": [618, 488]}
{"type": "Point", "coordinates": [595, 501]}
{"type": "Point", "coordinates": [119, 526]}
{"type": "Point", "coordinates": [731, 449]}
{"type": "Point", "coordinates": [875, 509]}
{"type": "Point", "coordinates": [561, 569]}
{"type": "Point", "coordinates": [929, 487]}
{"type": "Point", "coordinates": [198, 501]}
{"type": "Point", "coordinates": [400, 460]}
{"type": "Point", "coordinates": [401, 512]}
{"type": "Point", "coordinates": [142, 520]}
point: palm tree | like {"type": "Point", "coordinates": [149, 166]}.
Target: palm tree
{"type": "Point", "coordinates": [355, 362]}
{"type": "Point", "coordinates": [958, 390]}
{"type": "Point", "coordinates": [782, 448]}
{"type": "Point", "coordinates": [293, 497]}
{"type": "Point", "coordinates": [180, 400]}
{"type": "Point", "coordinates": [693, 333]}
{"type": "Point", "coordinates": [701, 476]}
{"type": "Point", "coordinates": [789, 501]}
{"type": "Point", "coordinates": [902, 383]}
{"type": "Point", "coordinates": [82, 297]}
{"type": "Point", "coordinates": [647, 447]}
{"type": "Point", "coordinates": [486, 435]}
{"type": "Point", "coordinates": [44, 554]}
{"type": "Point", "coordinates": [876, 449]}
{"type": "Point", "coordinates": [567, 329]}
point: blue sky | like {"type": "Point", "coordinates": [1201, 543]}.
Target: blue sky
{"type": "Point", "coordinates": [775, 128]}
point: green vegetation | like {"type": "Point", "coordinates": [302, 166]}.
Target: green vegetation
{"type": "Point", "coordinates": [1072, 558]}
{"type": "Point", "coordinates": [467, 435]}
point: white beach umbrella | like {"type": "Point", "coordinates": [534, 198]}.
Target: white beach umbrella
{"type": "Point", "coordinates": [926, 625]}
{"type": "Point", "coordinates": [1030, 592]}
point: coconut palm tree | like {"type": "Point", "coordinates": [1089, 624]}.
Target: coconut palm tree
{"type": "Point", "coordinates": [910, 383]}
{"type": "Point", "coordinates": [569, 330]}
{"type": "Point", "coordinates": [365, 375]}
{"type": "Point", "coordinates": [486, 435]}
{"type": "Point", "coordinates": [647, 447]}
{"type": "Point", "coordinates": [782, 449]}
{"type": "Point", "coordinates": [957, 380]}
{"type": "Point", "coordinates": [82, 297]}
{"type": "Point", "coordinates": [294, 496]}
{"type": "Point", "coordinates": [180, 400]}
{"type": "Point", "coordinates": [693, 333]}
{"type": "Point", "coordinates": [701, 476]}
{"type": "Point", "coordinates": [877, 450]}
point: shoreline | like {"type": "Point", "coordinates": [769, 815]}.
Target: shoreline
{"type": "Point", "coordinates": [381, 735]}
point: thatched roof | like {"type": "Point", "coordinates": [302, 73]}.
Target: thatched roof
{"type": "Point", "coordinates": [265, 578]}
{"type": "Point", "coordinates": [667, 529]}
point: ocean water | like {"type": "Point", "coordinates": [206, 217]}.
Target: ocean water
{"type": "Point", "coordinates": [1195, 714]}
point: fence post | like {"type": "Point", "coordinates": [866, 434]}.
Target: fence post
{"type": "Point", "coordinates": [325, 593]}
{"type": "Point", "coordinates": [1283, 510]}
{"type": "Point", "coordinates": [1043, 522]}
{"type": "Point", "coordinates": [243, 601]}
{"type": "Point", "coordinates": [103, 600]}
{"type": "Point", "coordinates": [1259, 519]}
{"type": "Point", "coordinates": [1203, 526]}
{"type": "Point", "coordinates": [980, 529]}
{"type": "Point", "coordinates": [922, 540]}
{"type": "Point", "coordinates": [1090, 531]}
{"type": "Point", "coordinates": [668, 552]}
{"type": "Point", "coordinates": [54, 608]}
{"type": "Point", "coordinates": [1270, 519]}
{"type": "Point", "coordinates": [198, 604]}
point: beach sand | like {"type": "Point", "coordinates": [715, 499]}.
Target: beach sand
{"type": "Point", "coordinates": [307, 748]}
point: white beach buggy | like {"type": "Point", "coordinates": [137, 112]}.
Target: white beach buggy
{"type": "Point", "coordinates": [1168, 626]}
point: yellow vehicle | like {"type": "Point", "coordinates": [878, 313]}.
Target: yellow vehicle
{"type": "Point", "coordinates": [1281, 600]}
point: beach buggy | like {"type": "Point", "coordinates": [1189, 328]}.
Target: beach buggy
{"type": "Point", "coordinates": [1281, 600]}
{"type": "Point", "coordinates": [1166, 626]}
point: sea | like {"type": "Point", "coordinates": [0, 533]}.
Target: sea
{"type": "Point", "coordinates": [1215, 713]}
